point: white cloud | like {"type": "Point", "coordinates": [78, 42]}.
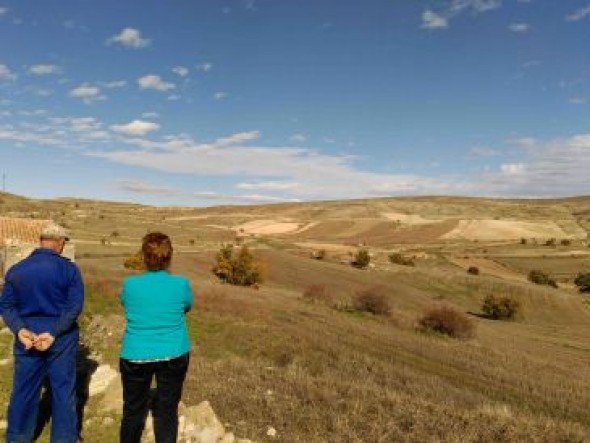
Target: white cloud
{"type": "Point", "coordinates": [577, 101]}
{"type": "Point", "coordinates": [238, 138]}
{"type": "Point", "coordinates": [298, 138]}
{"type": "Point", "coordinates": [6, 73]}
{"type": "Point", "coordinates": [205, 67]}
{"type": "Point", "coordinates": [220, 95]}
{"type": "Point", "coordinates": [578, 14]}
{"type": "Point", "coordinates": [136, 128]}
{"type": "Point", "coordinates": [441, 19]}
{"type": "Point", "coordinates": [247, 198]}
{"type": "Point", "coordinates": [130, 38]}
{"type": "Point", "coordinates": [87, 93]}
{"type": "Point", "coordinates": [44, 69]}
{"type": "Point", "coordinates": [141, 187]}
{"type": "Point", "coordinates": [432, 20]}
{"type": "Point", "coordinates": [181, 71]}
{"type": "Point", "coordinates": [513, 169]}
{"type": "Point", "coordinates": [114, 84]}
{"type": "Point", "coordinates": [519, 27]}
{"type": "Point", "coordinates": [154, 82]}
{"type": "Point", "coordinates": [3, 11]}
{"type": "Point", "coordinates": [269, 186]}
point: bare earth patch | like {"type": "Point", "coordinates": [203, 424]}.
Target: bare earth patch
{"type": "Point", "coordinates": [492, 230]}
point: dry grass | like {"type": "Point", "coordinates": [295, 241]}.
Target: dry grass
{"type": "Point", "coordinates": [266, 358]}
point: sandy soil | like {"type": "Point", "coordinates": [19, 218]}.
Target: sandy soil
{"type": "Point", "coordinates": [268, 227]}
{"type": "Point", "coordinates": [505, 229]}
{"type": "Point", "coordinates": [409, 219]}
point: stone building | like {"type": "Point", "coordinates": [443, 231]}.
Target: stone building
{"type": "Point", "coordinates": [19, 237]}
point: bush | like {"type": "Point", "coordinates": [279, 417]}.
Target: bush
{"type": "Point", "coordinates": [566, 242]}
{"type": "Point", "coordinates": [448, 321]}
{"type": "Point", "coordinates": [523, 241]}
{"type": "Point", "coordinates": [241, 270]}
{"type": "Point", "coordinates": [582, 281]}
{"type": "Point", "coordinates": [373, 300]}
{"type": "Point", "coordinates": [361, 259]}
{"type": "Point", "coordinates": [501, 307]}
{"type": "Point", "coordinates": [539, 277]}
{"type": "Point", "coordinates": [399, 259]}
{"type": "Point", "coordinates": [473, 270]}
{"type": "Point", "coordinates": [318, 293]}
{"type": "Point", "coordinates": [134, 262]}
{"type": "Point", "coordinates": [550, 242]}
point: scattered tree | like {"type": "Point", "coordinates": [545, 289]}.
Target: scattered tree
{"type": "Point", "coordinates": [473, 270]}
{"type": "Point", "coordinates": [399, 259]}
{"type": "Point", "coordinates": [134, 262]}
{"type": "Point", "coordinates": [582, 281]}
{"type": "Point", "coordinates": [373, 300]}
{"type": "Point", "coordinates": [500, 307]}
{"type": "Point", "coordinates": [238, 269]}
{"type": "Point", "coordinates": [361, 259]}
{"type": "Point", "coordinates": [318, 254]}
{"type": "Point", "coordinates": [541, 278]}
{"type": "Point", "coordinates": [448, 321]}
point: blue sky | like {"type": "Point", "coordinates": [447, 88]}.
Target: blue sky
{"type": "Point", "coordinates": [254, 101]}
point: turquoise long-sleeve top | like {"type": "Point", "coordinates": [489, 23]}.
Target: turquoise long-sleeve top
{"type": "Point", "coordinates": [155, 303]}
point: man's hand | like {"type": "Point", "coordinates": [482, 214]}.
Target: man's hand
{"type": "Point", "coordinates": [44, 341]}
{"type": "Point", "coordinates": [27, 338]}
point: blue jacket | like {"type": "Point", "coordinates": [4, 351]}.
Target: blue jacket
{"type": "Point", "coordinates": [155, 303]}
{"type": "Point", "coordinates": [43, 293]}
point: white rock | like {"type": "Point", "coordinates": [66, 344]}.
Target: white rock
{"type": "Point", "coordinates": [3, 424]}
{"type": "Point", "coordinates": [5, 331]}
{"type": "Point", "coordinates": [271, 432]}
{"type": "Point", "coordinates": [108, 421]}
{"type": "Point", "coordinates": [101, 379]}
{"type": "Point", "coordinates": [5, 361]}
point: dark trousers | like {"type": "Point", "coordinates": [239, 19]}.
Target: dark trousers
{"type": "Point", "coordinates": [31, 369]}
{"type": "Point", "coordinates": [137, 379]}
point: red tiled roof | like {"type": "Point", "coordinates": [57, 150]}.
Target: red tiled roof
{"type": "Point", "coordinates": [21, 229]}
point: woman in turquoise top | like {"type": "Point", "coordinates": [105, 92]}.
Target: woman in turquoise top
{"type": "Point", "coordinates": [156, 343]}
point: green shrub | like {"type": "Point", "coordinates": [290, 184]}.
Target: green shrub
{"type": "Point", "coordinates": [361, 259]}
{"type": "Point", "coordinates": [473, 270]}
{"type": "Point", "coordinates": [240, 269]}
{"type": "Point", "coordinates": [582, 281]}
{"type": "Point", "coordinates": [134, 262]}
{"type": "Point", "coordinates": [448, 321]}
{"type": "Point", "coordinates": [373, 300]}
{"type": "Point", "coordinates": [399, 259]}
{"type": "Point", "coordinates": [541, 278]}
{"type": "Point", "coordinates": [501, 307]}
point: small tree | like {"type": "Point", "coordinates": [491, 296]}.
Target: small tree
{"type": "Point", "coordinates": [448, 321]}
{"type": "Point", "coordinates": [399, 259]}
{"type": "Point", "coordinates": [566, 242]}
{"type": "Point", "coordinates": [473, 270]}
{"type": "Point", "coordinates": [539, 277]}
{"type": "Point", "coordinates": [373, 300]}
{"type": "Point", "coordinates": [361, 259]}
{"type": "Point", "coordinates": [240, 269]}
{"type": "Point", "coordinates": [500, 307]}
{"type": "Point", "coordinates": [582, 281]}
{"type": "Point", "coordinates": [134, 262]}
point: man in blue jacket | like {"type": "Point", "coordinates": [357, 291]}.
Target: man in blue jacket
{"type": "Point", "coordinates": [42, 298]}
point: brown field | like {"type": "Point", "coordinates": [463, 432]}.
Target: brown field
{"type": "Point", "coordinates": [315, 373]}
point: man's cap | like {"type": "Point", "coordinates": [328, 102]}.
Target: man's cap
{"type": "Point", "coordinates": [53, 231]}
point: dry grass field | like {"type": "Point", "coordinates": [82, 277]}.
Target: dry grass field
{"type": "Point", "coordinates": [323, 372]}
